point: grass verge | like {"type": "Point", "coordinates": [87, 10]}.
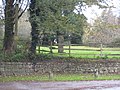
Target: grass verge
{"type": "Point", "coordinates": [59, 77]}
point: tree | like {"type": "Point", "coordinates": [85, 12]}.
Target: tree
{"type": "Point", "coordinates": [105, 28]}
{"type": "Point", "coordinates": [48, 18]}
{"type": "Point", "coordinates": [1, 22]}
{"type": "Point", "coordinates": [53, 16]}
{"type": "Point", "coordinates": [78, 23]}
{"type": "Point", "coordinates": [33, 21]}
{"type": "Point", "coordinates": [10, 19]}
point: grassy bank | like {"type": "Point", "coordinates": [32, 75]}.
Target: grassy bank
{"type": "Point", "coordinates": [60, 77]}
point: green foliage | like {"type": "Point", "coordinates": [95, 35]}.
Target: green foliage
{"type": "Point", "coordinates": [20, 57]}
{"type": "Point", "coordinates": [14, 57]}
{"type": "Point", "coordinates": [1, 43]}
{"type": "Point", "coordinates": [102, 57]}
{"type": "Point", "coordinates": [52, 17]}
{"type": "Point", "coordinates": [1, 57]}
{"type": "Point", "coordinates": [44, 57]}
{"type": "Point", "coordinates": [20, 54]}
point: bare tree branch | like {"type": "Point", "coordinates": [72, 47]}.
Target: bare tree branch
{"type": "Point", "coordinates": [24, 9]}
{"type": "Point", "coordinates": [3, 2]}
{"type": "Point", "coordinates": [22, 2]}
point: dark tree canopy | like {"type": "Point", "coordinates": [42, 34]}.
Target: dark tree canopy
{"type": "Point", "coordinates": [58, 17]}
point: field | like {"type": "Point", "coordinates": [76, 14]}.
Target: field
{"type": "Point", "coordinates": [82, 52]}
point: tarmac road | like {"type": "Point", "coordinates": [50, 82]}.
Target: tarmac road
{"type": "Point", "coordinates": [71, 85]}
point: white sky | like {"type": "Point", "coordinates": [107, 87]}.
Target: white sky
{"type": "Point", "coordinates": [0, 2]}
{"type": "Point", "coordinates": [92, 12]}
{"type": "Point", "coordinates": [117, 6]}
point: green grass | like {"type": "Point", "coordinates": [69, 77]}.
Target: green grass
{"type": "Point", "coordinates": [59, 77]}
{"type": "Point", "coordinates": [83, 52]}
{"type": "Point", "coordinates": [23, 78]}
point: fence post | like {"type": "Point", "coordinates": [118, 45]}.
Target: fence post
{"type": "Point", "coordinates": [101, 50]}
{"type": "Point", "coordinates": [69, 46]}
{"type": "Point", "coordinates": [96, 73]}
{"type": "Point", "coordinates": [39, 47]}
{"type": "Point", "coordinates": [51, 47]}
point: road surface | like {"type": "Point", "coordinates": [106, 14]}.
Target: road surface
{"type": "Point", "coordinates": [71, 85]}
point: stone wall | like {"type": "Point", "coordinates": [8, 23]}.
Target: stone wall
{"type": "Point", "coordinates": [81, 67]}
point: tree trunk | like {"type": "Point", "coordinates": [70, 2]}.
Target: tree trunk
{"type": "Point", "coordinates": [9, 26]}
{"type": "Point", "coordinates": [60, 44]}
{"type": "Point", "coordinates": [34, 34]}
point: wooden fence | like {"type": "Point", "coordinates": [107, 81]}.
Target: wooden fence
{"type": "Point", "coordinates": [85, 51]}
{"type": "Point", "coordinates": [91, 50]}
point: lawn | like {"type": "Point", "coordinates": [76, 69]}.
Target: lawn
{"type": "Point", "coordinates": [83, 52]}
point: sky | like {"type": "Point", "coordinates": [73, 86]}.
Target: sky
{"type": "Point", "coordinates": [92, 12]}
{"type": "Point", "coordinates": [0, 2]}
